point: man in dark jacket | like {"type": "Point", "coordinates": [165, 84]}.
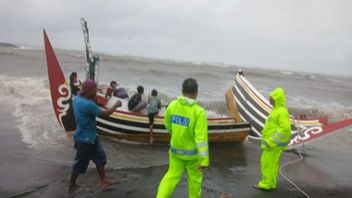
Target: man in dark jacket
{"type": "Point", "coordinates": [136, 102]}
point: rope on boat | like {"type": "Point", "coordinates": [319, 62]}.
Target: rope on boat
{"type": "Point", "coordinates": [292, 162]}
{"type": "Point", "coordinates": [290, 181]}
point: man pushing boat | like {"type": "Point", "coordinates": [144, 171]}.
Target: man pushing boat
{"type": "Point", "coordinates": [86, 140]}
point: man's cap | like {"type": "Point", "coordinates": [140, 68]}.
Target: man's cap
{"type": "Point", "coordinates": [87, 86]}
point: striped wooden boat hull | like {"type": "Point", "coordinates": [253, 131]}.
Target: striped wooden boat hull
{"type": "Point", "coordinates": [253, 107]}
{"type": "Point", "coordinates": [135, 127]}
{"type": "Point", "coordinates": [126, 125]}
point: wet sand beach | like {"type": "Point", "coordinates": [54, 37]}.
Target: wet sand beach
{"type": "Point", "coordinates": [224, 176]}
{"type": "Point", "coordinates": [325, 171]}
{"type": "Point", "coordinates": [21, 173]}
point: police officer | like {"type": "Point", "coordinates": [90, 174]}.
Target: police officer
{"type": "Point", "coordinates": [186, 121]}
{"type": "Point", "coordinates": [276, 135]}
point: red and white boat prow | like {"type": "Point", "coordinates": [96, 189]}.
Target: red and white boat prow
{"type": "Point", "coordinates": [60, 92]}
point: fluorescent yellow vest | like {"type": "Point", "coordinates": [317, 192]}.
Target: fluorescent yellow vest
{"type": "Point", "coordinates": [187, 124]}
{"type": "Point", "coordinates": [276, 135]}
{"type": "Point", "coordinates": [277, 128]}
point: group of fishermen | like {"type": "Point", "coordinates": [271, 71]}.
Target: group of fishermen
{"type": "Point", "coordinates": [186, 122]}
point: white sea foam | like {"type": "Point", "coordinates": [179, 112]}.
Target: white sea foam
{"type": "Point", "coordinates": [78, 55]}
{"type": "Point", "coordinates": [30, 98]}
{"type": "Point", "coordinates": [289, 73]}
{"type": "Point", "coordinates": [312, 108]}
{"type": "Point", "coordinates": [29, 47]}
{"type": "Point", "coordinates": [25, 47]}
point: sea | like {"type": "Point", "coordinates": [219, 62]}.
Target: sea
{"type": "Point", "coordinates": [37, 154]}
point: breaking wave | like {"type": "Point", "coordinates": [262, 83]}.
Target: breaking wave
{"type": "Point", "coordinates": [313, 109]}
{"type": "Point", "coordinates": [30, 98]}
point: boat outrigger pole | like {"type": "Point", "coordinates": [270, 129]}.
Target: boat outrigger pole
{"type": "Point", "coordinates": [92, 68]}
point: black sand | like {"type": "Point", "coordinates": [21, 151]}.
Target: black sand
{"type": "Point", "coordinates": [325, 171]}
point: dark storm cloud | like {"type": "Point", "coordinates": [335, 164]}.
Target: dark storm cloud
{"type": "Point", "coordinates": [303, 35]}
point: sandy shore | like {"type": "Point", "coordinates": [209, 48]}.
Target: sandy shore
{"type": "Point", "coordinates": [325, 171]}
{"type": "Point", "coordinates": [144, 182]}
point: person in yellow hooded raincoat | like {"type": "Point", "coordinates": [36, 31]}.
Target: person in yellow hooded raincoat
{"type": "Point", "coordinates": [276, 135]}
{"type": "Point", "coordinates": [186, 121]}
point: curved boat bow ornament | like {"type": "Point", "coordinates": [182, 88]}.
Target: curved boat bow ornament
{"type": "Point", "coordinates": [60, 93]}
{"type": "Point", "coordinates": [63, 101]}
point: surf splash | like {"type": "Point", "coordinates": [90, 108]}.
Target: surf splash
{"type": "Point", "coordinates": [30, 99]}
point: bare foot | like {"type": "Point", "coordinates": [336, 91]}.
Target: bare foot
{"type": "Point", "coordinates": [151, 140]}
{"type": "Point", "coordinates": [226, 195]}
{"type": "Point", "coordinates": [106, 184]}
{"type": "Point", "coordinates": [73, 187]}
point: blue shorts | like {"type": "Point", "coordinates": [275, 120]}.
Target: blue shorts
{"type": "Point", "coordinates": [86, 152]}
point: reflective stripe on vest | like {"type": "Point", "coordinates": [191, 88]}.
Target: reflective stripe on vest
{"type": "Point", "coordinates": [201, 144]}
{"type": "Point", "coordinates": [280, 135]}
{"type": "Point", "coordinates": [264, 143]}
{"type": "Point", "coordinates": [202, 148]}
{"type": "Point", "coordinates": [203, 153]}
{"type": "Point", "coordinates": [183, 152]}
{"type": "Point", "coordinates": [278, 142]}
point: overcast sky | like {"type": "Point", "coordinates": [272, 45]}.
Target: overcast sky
{"type": "Point", "coordinates": [300, 35]}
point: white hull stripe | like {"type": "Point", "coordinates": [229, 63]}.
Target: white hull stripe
{"type": "Point", "coordinates": [248, 113]}
{"type": "Point", "coordinates": [250, 104]}
{"type": "Point", "coordinates": [264, 103]}
{"type": "Point", "coordinates": [146, 130]}
{"type": "Point", "coordinates": [253, 129]}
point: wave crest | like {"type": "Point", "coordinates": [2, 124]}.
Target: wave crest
{"type": "Point", "coordinates": [31, 100]}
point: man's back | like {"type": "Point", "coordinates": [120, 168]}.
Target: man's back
{"type": "Point", "coordinates": [187, 123]}
{"type": "Point", "coordinates": [85, 114]}
{"type": "Point", "coordinates": [154, 104]}
{"type": "Point", "coordinates": [134, 101]}
{"type": "Point", "coordinates": [121, 93]}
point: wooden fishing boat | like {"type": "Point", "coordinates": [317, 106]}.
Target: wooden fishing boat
{"type": "Point", "coordinates": [247, 104]}
{"type": "Point", "coordinates": [122, 124]}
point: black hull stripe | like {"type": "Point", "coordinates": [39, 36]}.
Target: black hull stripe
{"type": "Point", "coordinates": [124, 130]}
{"type": "Point", "coordinates": [140, 130]}
{"type": "Point", "coordinates": [251, 100]}
{"type": "Point", "coordinates": [253, 123]}
{"type": "Point", "coordinates": [249, 97]}
{"type": "Point", "coordinates": [260, 97]}
{"type": "Point", "coordinates": [235, 126]}
{"type": "Point", "coordinates": [145, 126]}
{"type": "Point", "coordinates": [247, 107]}
{"type": "Point", "coordinates": [132, 123]}
{"type": "Point", "coordinates": [239, 128]}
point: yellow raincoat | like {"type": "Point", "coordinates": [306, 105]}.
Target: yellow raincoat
{"type": "Point", "coordinates": [276, 135]}
{"type": "Point", "coordinates": [187, 124]}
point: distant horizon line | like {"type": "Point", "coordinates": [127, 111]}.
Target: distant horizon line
{"type": "Point", "coordinates": [179, 61]}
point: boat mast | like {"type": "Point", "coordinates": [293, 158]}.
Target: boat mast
{"type": "Point", "coordinates": [92, 68]}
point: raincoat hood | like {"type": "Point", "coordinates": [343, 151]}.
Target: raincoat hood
{"type": "Point", "coordinates": [279, 97]}
{"type": "Point", "coordinates": [187, 101]}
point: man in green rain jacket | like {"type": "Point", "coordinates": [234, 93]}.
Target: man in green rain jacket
{"type": "Point", "coordinates": [276, 135]}
{"type": "Point", "coordinates": [186, 122]}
